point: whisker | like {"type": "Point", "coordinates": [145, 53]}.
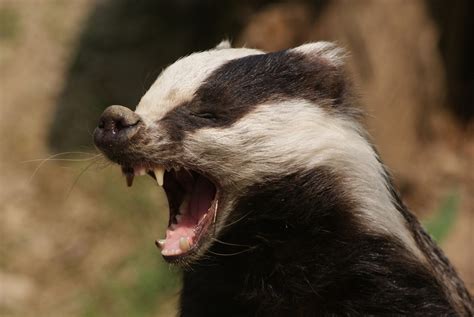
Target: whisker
{"type": "Point", "coordinates": [77, 178]}
{"type": "Point", "coordinates": [62, 160]}
{"type": "Point", "coordinates": [236, 221]}
{"type": "Point", "coordinates": [102, 163]}
{"type": "Point", "coordinates": [66, 153]}
{"type": "Point", "coordinates": [53, 157]}
{"type": "Point", "coordinates": [233, 254]}
{"type": "Point", "coordinates": [91, 132]}
{"type": "Point", "coordinates": [231, 244]}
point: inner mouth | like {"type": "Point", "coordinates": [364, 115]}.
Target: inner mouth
{"type": "Point", "coordinates": [193, 202]}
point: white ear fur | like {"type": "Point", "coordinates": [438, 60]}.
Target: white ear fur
{"type": "Point", "coordinates": [223, 45]}
{"type": "Point", "coordinates": [327, 50]}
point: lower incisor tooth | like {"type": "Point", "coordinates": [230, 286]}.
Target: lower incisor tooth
{"type": "Point", "coordinates": [184, 244]}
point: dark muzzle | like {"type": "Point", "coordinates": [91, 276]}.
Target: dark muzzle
{"type": "Point", "coordinates": [117, 126]}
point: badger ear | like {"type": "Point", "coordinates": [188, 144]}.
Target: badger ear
{"type": "Point", "coordinates": [326, 73]}
{"type": "Point", "coordinates": [223, 44]}
{"type": "Point", "coordinates": [328, 51]}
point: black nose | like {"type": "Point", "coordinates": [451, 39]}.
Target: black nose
{"type": "Point", "coordinates": [117, 125]}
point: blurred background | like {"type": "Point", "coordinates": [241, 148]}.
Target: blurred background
{"type": "Point", "coordinates": [76, 242]}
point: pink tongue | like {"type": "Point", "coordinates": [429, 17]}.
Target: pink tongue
{"type": "Point", "coordinates": [203, 193]}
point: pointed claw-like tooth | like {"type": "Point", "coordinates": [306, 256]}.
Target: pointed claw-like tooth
{"type": "Point", "coordinates": [184, 244]}
{"type": "Point", "coordinates": [178, 218]}
{"type": "Point", "coordinates": [129, 179]}
{"type": "Point", "coordinates": [159, 174]}
{"type": "Point", "coordinates": [160, 243]}
{"type": "Point", "coordinates": [172, 226]}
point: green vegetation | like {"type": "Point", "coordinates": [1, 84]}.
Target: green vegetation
{"type": "Point", "coordinates": [442, 222]}
{"type": "Point", "coordinates": [9, 23]}
{"type": "Point", "coordinates": [138, 286]}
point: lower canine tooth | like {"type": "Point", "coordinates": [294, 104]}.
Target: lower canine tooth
{"type": "Point", "coordinates": [160, 243]}
{"type": "Point", "coordinates": [184, 244]}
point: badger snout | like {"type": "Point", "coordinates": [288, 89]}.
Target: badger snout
{"type": "Point", "coordinates": [117, 126]}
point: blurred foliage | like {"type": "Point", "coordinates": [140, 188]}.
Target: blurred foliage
{"type": "Point", "coordinates": [9, 23]}
{"type": "Point", "coordinates": [141, 283]}
{"type": "Point", "coordinates": [137, 286]}
{"type": "Point", "coordinates": [442, 222]}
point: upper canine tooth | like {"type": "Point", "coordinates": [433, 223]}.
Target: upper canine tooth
{"type": "Point", "coordinates": [129, 178]}
{"type": "Point", "coordinates": [159, 174]}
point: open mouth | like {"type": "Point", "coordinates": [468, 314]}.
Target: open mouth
{"type": "Point", "coordinates": [193, 203]}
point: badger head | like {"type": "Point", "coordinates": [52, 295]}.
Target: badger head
{"type": "Point", "coordinates": [215, 123]}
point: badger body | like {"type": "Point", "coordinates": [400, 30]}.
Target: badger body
{"type": "Point", "coordinates": [279, 204]}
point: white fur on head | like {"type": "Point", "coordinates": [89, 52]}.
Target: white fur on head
{"type": "Point", "coordinates": [178, 83]}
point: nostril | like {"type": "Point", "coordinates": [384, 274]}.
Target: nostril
{"type": "Point", "coordinates": [117, 125]}
{"type": "Point", "coordinates": [126, 122]}
{"type": "Point", "coordinates": [118, 118]}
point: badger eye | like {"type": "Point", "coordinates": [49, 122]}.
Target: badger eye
{"type": "Point", "coordinates": [206, 115]}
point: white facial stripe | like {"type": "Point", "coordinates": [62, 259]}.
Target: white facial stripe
{"type": "Point", "coordinates": [179, 82]}
{"type": "Point", "coordinates": [297, 135]}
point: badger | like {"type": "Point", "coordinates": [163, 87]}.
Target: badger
{"type": "Point", "coordinates": [279, 204]}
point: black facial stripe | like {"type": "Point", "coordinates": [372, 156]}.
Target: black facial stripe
{"type": "Point", "coordinates": [238, 86]}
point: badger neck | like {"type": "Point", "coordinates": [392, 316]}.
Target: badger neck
{"type": "Point", "coordinates": [302, 240]}
{"type": "Point", "coordinates": [306, 210]}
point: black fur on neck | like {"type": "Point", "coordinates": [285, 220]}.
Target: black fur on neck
{"type": "Point", "coordinates": [301, 251]}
